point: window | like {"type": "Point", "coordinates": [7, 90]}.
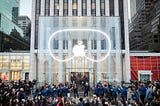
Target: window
{"type": "Point", "coordinates": [103, 44]}
{"type": "Point", "coordinates": [93, 8]}
{"type": "Point", "coordinates": [38, 6]}
{"type": "Point", "coordinates": [1, 62]}
{"type": "Point", "coordinates": [47, 7]}
{"type": "Point", "coordinates": [26, 62]}
{"type": "Point", "coordinates": [102, 8]}
{"type": "Point", "coordinates": [74, 1]}
{"type": "Point", "coordinates": [65, 12]}
{"type": "Point", "coordinates": [94, 44]}
{"type": "Point", "coordinates": [65, 44]}
{"type": "Point", "coordinates": [56, 12]}
{"type": "Point", "coordinates": [65, 7]}
{"type": "Point", "coordinates": [65, 1]}
{"type": "Point", "coordinates": [84, 7]}
{"type": "Point", "coordinates": [55, 44]}
{"type": "Point", "coordinates": [74, 7]}
{"type": "Point", "coordinates": [5, 64]}
{"type": "Point", "coordinates": [111, 7]}
{"type": "Point", "coordinates": [16, 63]}
{"type": "Point", "coordinates": [74, 12]}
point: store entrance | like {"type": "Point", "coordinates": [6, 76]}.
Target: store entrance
{"type": "Point", "coordinates": [15, 75]}
{"type": "Point", "coordinates": [79, 77]}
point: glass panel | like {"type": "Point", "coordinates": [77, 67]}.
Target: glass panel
{"type": "Point", "coordinates": [15, 75]}
{"type": "Point", "coordinates": [109, 25]}
{"type": "Point", "coordinates": [26, 62]}
{"type": "Point", "coordinates": [16, 63]}
{"type": "Point", "coordinates": [74, 6]}
{"type": "Point", "coordinates": [144, 77]}
{"type": "Point", "coordinates": [19, 63]}
{"type": "Point", "coordinates": [1, 62]}
{"type": "Point", "coordinates": [13, 62]}
{"type": "Point", "coordinates": [5, 62]}
{"type": "Point", "coordinates": [9, 17]}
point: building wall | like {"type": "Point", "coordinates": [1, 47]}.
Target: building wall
{"type": "Point", "coordinates": [145, 62]}
{"type": "Point", "coordinates": [144, 28]}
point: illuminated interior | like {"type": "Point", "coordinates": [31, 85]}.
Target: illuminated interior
{"type": "Point", "coordinates": [13, 66]}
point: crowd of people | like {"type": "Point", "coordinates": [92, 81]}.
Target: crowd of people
{"type": "Point", "coordinates": [26, 93]}
{"type": "Point", "coordinates": [15, 93]}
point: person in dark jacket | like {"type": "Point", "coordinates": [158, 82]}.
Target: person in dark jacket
{"type": "Point", "coordinates": [75, 90]}
{"type": "Point", "coordinates": [21, 95]}
{"type": "Point", "coordinates": [86, 89]}
{"type": "Point", "coordinates": [81, 102]}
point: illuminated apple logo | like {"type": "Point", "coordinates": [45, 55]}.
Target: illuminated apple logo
{"type": "Point", "coordinates": [78, 50]}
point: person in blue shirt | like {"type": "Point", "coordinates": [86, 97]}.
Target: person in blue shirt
{"type": "Point", "coordinates": [55, 92]}
{"type": "Point", "coordinates": [99, 83]}
{"type": "Point", "coordinates": [35, 93]}
{"type": "Point", "coordinates": [142, 91]}
{"type": "Point", "coordinates": [95, 91]}
{"type": "Point", "coordinates": [44, 92]}
{"type": "Point", "coordinates": [149, 93]}
{"type": "Point", "coordinates": [65, 90]}
{"type": "Point", "coordinates": [123, 94]}
{"type": "Point", "coordinates": [135, 95]}
{"type": "Point", "coordinates": [60, 90]}
{"type": "Point", "coordinates": [50, 91]}
{"type": "Point", "coordinates": [110, 98]}
{"type": "Point", "coordinates": [100, 92]}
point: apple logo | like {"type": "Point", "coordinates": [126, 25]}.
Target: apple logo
{"type": "Point", "coordinates": [78, 50]}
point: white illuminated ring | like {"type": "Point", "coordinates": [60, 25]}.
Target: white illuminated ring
{"type": "Point", "coordinates": [73, 30]}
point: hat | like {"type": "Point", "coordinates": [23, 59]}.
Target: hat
{"type": "Point", "coordinates": [80, 99]}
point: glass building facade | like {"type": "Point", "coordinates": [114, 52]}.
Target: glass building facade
{"type": "Point", "coordinates": [108, 16]}
{"type": "Point", "coordinates": [96, 47]}
{"type": "Point", "coordinates": [11, 36]}
{"type": "Point", "coordinates": [9, 16]}
{"type": "Point", "coordinates": [14, 66]}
